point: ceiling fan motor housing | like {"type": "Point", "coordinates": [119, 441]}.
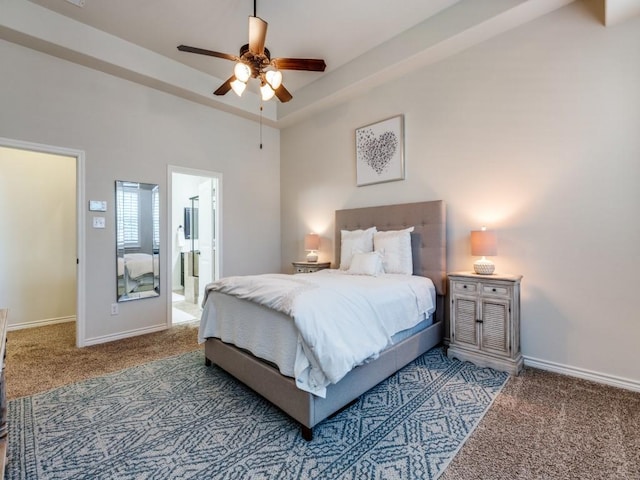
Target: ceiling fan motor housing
{"type": "Point", "coordinates": [256, 62]}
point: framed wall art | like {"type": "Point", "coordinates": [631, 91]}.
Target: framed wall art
{"type": "Point", "coordinates": [380, 151]}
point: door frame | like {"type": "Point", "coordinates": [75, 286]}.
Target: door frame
{"type": "Point", "coordinates": [79, 155]}
{"type": "Point", "coordinates": [168, 274]}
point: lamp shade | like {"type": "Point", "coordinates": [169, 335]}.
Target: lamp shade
{"type": "Point", "coordinates": [483, 243]}
{"type": "Point", "coordinates": [312, 241]}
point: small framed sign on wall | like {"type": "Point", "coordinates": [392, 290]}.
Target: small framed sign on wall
{"type": "Point", "coordinates": [380, 151]}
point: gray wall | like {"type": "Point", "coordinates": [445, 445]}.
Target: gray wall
{"type": "Point", "coordinates": [131, 132]}
{"type": "Point", "coordinates": [534, 134]}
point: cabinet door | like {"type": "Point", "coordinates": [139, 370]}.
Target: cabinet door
{"type": "Point", "coordinates": [464, 325]}
{"type": "Point", "coordinates": [495, 326]}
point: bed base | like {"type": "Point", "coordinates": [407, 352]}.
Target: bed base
{"type": "Point", "coordinates": [304, 407]}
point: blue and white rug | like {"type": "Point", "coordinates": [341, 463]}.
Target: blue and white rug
{"type": "Point", "coordinates": [177, 419]}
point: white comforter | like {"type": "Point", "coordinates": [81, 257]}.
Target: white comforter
{"type": "Point", "coordinates": [343, 320]}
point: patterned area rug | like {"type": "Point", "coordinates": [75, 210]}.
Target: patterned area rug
{"type": "Point", "coordinates": [177, 419]}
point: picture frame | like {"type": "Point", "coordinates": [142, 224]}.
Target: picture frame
{"type": "Point", "coordinates": [380, 151]}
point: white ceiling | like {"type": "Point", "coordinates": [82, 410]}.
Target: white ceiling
{"type": "Point", "coordinates": [337, 31]}
{"type": "Point", "coordinates": [363, 42]}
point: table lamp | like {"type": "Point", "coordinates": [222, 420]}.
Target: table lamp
{"type": "Point", "coordinates": [312, 243]}
{"type": "Point", "coordinates": [483, 243]}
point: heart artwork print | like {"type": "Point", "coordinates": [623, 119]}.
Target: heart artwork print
{"type": "Point", "coordinates": [379, 155]}
{"type": "Point", "coordinates": [377, 151]}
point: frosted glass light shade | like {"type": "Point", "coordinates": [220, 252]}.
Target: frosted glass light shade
{"type": "Point", "coordinates": [267, 92]}
{"type": "Point", "coordinates": [274, 77]}
{"type": "Point", "coordinates": [242, 72]}
{"type": "Point", "coordinates": [238, 87]}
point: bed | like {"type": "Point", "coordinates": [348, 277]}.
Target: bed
{"type": "Point", "coordinates": [262, 373]}
{"type": "Point", "coordinates": [137, 272]}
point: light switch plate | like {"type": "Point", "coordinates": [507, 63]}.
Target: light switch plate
{"type": "Point", "coordinates": [99, 222]}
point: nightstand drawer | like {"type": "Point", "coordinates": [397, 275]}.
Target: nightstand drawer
{"type": "Point", "coordinates": [495, 290]}
{"type": "Point", "coordinates": [309, 267]}
{"type": "Point", "coordinates": [465, 287]}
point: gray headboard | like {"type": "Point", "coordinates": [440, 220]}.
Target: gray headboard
{"type": "Point", "coordinates": [428, 240]}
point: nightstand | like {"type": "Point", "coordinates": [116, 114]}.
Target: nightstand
{"type": "Point", "coordinates": [485, 320]}
{"type": "Point", "coordinates": [309, 267]}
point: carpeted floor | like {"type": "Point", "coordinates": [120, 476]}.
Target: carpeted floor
{"type": "Point", "coordinates": [541, 426]}
{"type": "Point", "coordinates": [549, 426]}
{"type": "Point", "coordinates": [42, 358]}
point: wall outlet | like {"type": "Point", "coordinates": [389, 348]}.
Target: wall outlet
{"type": "Point", "coordinates": [114, 309]}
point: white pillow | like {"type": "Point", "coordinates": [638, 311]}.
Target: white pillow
{"type": "Point", "coordinates": [395, 247]}
{"type": "Point", "coordinates": [354, 241]}
{"type": "Point", "coordinates": [366, 264]}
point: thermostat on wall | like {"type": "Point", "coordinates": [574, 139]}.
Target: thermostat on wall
{"type": "Point", "coordinates": [98, 205]}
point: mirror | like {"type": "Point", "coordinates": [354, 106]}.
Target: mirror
{"type": "Point", "coordinates": [137, 240]}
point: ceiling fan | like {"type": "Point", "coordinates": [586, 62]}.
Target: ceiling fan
{"type": "Point", "coordinates": [255, 61]}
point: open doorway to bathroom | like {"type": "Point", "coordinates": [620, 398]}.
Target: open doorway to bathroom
{"type": "Point", "coordinates": [194, 229]}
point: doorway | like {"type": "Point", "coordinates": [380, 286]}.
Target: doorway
{"type": "Point", "coordinates": [41, 190]}
{"type": "Point", "coordinates": [194, 232]}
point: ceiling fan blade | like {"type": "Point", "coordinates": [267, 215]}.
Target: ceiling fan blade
{"type": "Point", "coordinates": [257, 35]}
{"type": "Point", "coordinates": [225, 87]}
{"type": "Point", "coordinates": [309, 64]}
{"type": "Point", "coordinates": [283, 94]}
{"type": "Point", "coordinates": [210, 53]}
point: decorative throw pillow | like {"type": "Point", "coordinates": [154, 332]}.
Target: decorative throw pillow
{"type": "Point", "coordinates": [354, 241]}
{"type": "Point", "coordinates": [395, 247]}
{"type": "Point", "coordinates": [366, 264]}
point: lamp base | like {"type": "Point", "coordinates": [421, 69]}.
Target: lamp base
{"type": "Point", "coordinates": [312, 257]}
{"type": "Point", "coordinates": [484, 267]}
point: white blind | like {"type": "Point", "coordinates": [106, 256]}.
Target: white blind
{"type": "Point", "coordinates": [155, 199]}
{"type": "Point", "coordinates": [128, 204]}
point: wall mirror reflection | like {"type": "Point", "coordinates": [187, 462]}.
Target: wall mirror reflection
{"type": "Point", "coordinates": [137, 240]}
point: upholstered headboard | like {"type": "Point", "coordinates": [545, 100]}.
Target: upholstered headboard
{"type": "Point", "coordinates": [428, 240]}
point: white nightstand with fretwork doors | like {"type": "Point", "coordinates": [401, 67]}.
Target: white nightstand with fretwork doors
{"type": "Point", "coordinates": [485, 320]}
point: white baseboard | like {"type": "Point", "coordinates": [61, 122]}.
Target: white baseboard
{"type": "Point", "coordinates": [40, 323]}
{"type": "Point", "coordinates": [598, 377]}
{"type": "Point", "coordinates": [126, 334]}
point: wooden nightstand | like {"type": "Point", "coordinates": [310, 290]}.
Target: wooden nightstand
{"type": "Point", "coordinates": [485, 320]}
{"type": "Point", "coordinates": [309, 267]}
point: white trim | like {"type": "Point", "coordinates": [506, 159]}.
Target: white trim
{"type": "Point", "coordinates": [125, 334]}
{"type": "Point", "coordinates": [79, 155]}
{"type": "Point", "coordinates": [40, 323]}
{"type": "Point", "coordinates": [598, 377]}
{"type": "Point", "coordinates": [171, 169]}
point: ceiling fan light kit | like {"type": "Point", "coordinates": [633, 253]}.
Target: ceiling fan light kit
{"type": "Point", "coordinates": [266, 92]}
{"type": "Point", "coordinates": [238, 87]}
{"type": "Point", "coordinates": [255, 61]}
{"type": "Point", "coordinates": [242, 72]}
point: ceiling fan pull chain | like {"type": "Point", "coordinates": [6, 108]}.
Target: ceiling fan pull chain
{"type": "Point", "coordinates": [260, 122]}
